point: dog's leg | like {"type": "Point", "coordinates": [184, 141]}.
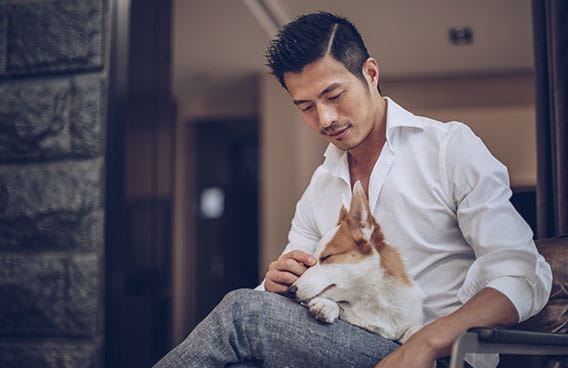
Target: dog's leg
{"type": "Point", "coordinates": [324, 310]}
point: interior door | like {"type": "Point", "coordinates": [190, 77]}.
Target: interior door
{"type": "Point", "coordinates": [226, 182]}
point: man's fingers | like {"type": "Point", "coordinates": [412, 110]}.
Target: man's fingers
{"type": "Point", "coordinates": [281, 277]}
{"type": "Point", "coordinates": [290, 265]}
{"type": "Point", "coordinates": [301, 257]}
{"type": "Point", "coordinates": [275, 287]}
{"type": "Point", "coordinates": [282, 274]}
{"type": "Point", "coordinates": [286, 270]}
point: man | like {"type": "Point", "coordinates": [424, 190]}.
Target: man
{"type": "Point", "coordinates": [438, 194]}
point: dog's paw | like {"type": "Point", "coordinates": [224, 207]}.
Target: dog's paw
{"type": "Point", "coordinates": [324, 310]}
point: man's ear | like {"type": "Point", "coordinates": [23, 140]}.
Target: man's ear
{"type": "Point", "coordinates": [371, 72]}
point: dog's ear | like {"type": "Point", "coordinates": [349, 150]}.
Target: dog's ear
{"type": "Point", "coordinates": [359, 209]}
{"type": "Point", "coordinates": [342, 215]}
{"type": "Point", "coordinates": [361, 219]}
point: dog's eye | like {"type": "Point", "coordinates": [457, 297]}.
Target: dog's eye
{"type": "Point", "coordinates": [322, 259]}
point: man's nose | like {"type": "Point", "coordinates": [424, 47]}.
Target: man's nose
{"type": "Point", "coordinates": [326, 115]}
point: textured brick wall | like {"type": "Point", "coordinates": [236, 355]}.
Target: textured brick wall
{"type": "Point", "coordinates": [52, 115]}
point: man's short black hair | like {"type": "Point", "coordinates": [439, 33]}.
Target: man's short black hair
{"type": "Point", "coordinates": [312, 36]}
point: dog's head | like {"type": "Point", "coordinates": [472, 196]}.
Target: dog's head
{"type": "Point", "coordinates": [350, 255]}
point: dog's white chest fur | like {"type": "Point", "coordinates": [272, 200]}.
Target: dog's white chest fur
{"type": "Point", "coordinates": [360, 278]}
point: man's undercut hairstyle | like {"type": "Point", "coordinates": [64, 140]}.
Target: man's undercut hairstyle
{"type": "Point", "coordinates": [313, 36]}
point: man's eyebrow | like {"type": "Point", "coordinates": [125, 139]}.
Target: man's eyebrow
{"type": "Point", "coordinates": [330, 88]}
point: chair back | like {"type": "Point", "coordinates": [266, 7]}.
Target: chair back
{"type": "Point", "coordinates": [554, 316]}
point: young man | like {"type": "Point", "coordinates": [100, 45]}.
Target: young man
{"type": "Point", "coordinates": [439, 195]}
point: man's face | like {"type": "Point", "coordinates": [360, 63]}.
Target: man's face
{"type": "Point", "coordinates": [334, 102]}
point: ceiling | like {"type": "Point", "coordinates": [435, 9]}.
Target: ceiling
{"type": "Point", "coordinates": [219, 44]}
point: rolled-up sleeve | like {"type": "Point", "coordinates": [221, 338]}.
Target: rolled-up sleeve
{"type": "Point", "coordinates": [506, 256]}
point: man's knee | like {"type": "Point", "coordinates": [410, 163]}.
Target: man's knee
{"type": "Point", "coordinates": [250, 303]}
{"type": "Point", "coordinates": [238, 295]}
{"type": "Point", "coordinates": [244, 300]}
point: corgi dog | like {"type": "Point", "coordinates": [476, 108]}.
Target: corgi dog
{"type": "Point", "coordinates": [360, 278]}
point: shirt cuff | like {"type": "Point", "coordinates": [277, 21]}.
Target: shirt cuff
{"type": "Point", "coordinates": [518, 291]}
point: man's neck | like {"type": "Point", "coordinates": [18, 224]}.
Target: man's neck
{"type": "Point", "coordinates": [362, 158]}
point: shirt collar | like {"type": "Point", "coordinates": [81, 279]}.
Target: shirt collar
{"type": "Point", "coordinates": [397, 117]}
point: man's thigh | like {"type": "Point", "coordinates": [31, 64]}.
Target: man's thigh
{"type": "Point", "coordinates": [283, 334]}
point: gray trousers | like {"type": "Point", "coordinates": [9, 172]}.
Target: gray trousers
{"type": "Point", "coordinates": [250, 328]}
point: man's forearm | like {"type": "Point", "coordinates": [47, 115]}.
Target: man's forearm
{"type": "Point", "coordinates": [488, 308]}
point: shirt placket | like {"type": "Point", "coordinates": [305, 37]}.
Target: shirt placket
{"type": "Point", "coordinates": [380, 173]}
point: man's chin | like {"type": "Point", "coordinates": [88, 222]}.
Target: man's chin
{"type": "Point", "coordinates": [343, 145]}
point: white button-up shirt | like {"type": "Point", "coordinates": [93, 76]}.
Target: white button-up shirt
{"type": "Point", "coordinates": [442, 199]}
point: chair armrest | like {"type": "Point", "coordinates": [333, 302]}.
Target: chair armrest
{"type": "Point", "coordinates": [503, 335]}
{"type": "Point", "coordinates": [505, 341]}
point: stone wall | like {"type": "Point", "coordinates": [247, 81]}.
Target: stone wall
{"type": "Point", "coordinates": [53, 87]}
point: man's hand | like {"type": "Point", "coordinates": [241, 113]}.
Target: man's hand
{"type": "Point", "coordinates": [419, 351]}
{"type": "Point", "coordinates": [287, 269]}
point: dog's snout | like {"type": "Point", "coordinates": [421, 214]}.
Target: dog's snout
{"type": "Point", "coordinates": [292, 290]}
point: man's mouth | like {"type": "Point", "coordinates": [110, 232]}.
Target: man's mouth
{"type": "Point", "coordinates": [337, 133]}
{"type": "Point", "coordinates": [336, 130]}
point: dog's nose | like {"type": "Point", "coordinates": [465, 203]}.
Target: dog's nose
{"type": "Point", "coordinates": [292, 290]}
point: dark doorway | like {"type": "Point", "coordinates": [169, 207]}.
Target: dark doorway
{"type": "Point", "coordinates": [139, 172]}
{"type": "Point", "coordinates": [225, 203]}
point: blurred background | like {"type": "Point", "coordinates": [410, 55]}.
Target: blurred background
{"type": "Point", "coordinates": [149, 163]}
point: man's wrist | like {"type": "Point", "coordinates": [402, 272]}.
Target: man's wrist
{"type": "Point", "coordinates": [438, 337]}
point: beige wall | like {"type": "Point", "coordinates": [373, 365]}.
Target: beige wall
{"type": "Point", "coordinates": [290, 152]}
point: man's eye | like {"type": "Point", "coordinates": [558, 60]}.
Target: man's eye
{"type": "Point", "coordinates": [333, 98]}
{"type": "Point", "coordinates": [308, 108]}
